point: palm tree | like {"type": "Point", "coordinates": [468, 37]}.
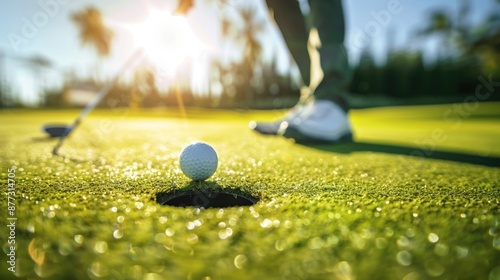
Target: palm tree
{"type": "Point", "coordinates": [93, 31]}
{"type": "Point", "coordinates": [471, 41]}
{"type": "Point", "coordinates": [252, 49]}
{"type": "Point", "coordinates": [246, 36]}
{"type": "Point", "coordinates": [439, 23]}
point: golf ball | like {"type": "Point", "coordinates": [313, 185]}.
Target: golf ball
{"type": "Point", "coordinates": [198, 161]}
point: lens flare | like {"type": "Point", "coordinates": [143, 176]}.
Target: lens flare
{"type": "Point", "coordinates": [167, 40]}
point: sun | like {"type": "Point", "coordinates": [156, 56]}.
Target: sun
{"type": "Point", "coordinates": [166, 39]}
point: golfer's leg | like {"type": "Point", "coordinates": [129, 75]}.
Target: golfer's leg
{"type": "Point", "coordinates": [291, 22]}
{"type": "Point", "coordinates": [328, 17]}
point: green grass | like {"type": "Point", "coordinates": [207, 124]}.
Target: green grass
{"type": "Point", "coordinates": [323, 213]}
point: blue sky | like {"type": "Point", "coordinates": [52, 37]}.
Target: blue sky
{"type": "Point", "coordinates": [56, 37]}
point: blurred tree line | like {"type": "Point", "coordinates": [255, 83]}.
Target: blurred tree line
{"type": "Point", "coordinates": [467, 53]}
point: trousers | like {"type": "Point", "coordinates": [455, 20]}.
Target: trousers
{"type": "Point", "coordinates": [327, 16]}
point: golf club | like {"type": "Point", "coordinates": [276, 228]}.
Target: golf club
{"type": "Point", "coordinates": [54, 130]}
{"type": "Point", "coordinates": [63, 131]}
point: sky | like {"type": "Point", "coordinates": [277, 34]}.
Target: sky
{"type": "Point", "coordinates": [44, 28]}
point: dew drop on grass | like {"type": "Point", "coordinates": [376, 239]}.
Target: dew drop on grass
{"type": "Point", "coordinates": [220, 214]}
{"type": "Point", "coordinates": [98, 269]}
{"type": "Point", "coordinates": [160, 238]}
{"type": "Point", "coordinates": [100, 247]}
{"type": "Point", "coordinates": [276, 223]}
{"type": "Point", "coordinates": [192, 239]}
{"type": "Point", "coordinates": [316, 243]}
{"type": "Point", "coordinates": [280, 244]}
{"type": "Point", "coordinates": [461, 252]}
{"type": "Point", "coordinates": [240, 261]}
{"type": "Point", "coordinates": [198, 223]}
{"type": "Point", "coordinates": [494, 228]}
{"type": "Point", "coordinates": [343, 270]}
{"type": "Point", "coordinates": [404, 258]}
{"type": "Point", "coordinates": [78, 239]}
{"type": "Point", "coordinates": [232, 221]}
{"type": "Point", "coordinates": [170, 232]}
{"type": "Point", "coordinates": [432, 237]}
{"type": "Point", "coordinates": [332, 240]}
{"type": "Point", "coordinates": [117, 234]}
{"type": "Point", "coordinates": [30, 228]}
{"type": "Point", "coordinates": [65, 248]}
{"type": "Point", "coordinates": [403, 242]}
{"type": "Point", "coordinates": [162, 220]}
{"type": "Point", "coordinates": [266, 223]}
{"type": "Point", "coordinates": [366, 234]}
{"type": "Point", "coordinates": [225, 233]}
{"type": "Point", "coordinates": [495, 273]}
{"type": "Point", "coordinates": [434, 269]}
{"type": "Point", "coordinates": [441, 249]}
{"type": "Point", "coordinates": [412, 276]}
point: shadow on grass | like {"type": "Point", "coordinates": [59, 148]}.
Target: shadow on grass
{"type": "Point", "coordinates": [44, 139]}
{"type": "Point", "coordinates": [352, 147]}
{"type": "Point", "coordinates": [206, 195]}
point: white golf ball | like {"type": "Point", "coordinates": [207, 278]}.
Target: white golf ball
{"type": "Point", "coordinates": [198, 161]}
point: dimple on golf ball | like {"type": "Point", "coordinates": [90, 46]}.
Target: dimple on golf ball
{"type": "Point", "coordinates": [198, 161]}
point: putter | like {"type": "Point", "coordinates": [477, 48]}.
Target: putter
{"type": "Point", "coordinates": [54, 130]}
{"type": "Point", "coordinates": [64, 131]}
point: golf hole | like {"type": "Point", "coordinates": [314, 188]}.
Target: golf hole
{"type": "Point", "coordinates": [206, 198]}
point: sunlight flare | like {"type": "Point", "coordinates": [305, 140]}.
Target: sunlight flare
{"type": "Point", "coordinates": [167, 40]}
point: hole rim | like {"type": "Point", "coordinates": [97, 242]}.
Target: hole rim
{"type": "Point", "coordinates": [215, 198]}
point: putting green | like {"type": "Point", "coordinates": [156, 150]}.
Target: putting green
{"type": "Point", "coordinates": [354, 212]}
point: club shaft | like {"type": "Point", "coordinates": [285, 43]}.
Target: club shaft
{"type": "Point", "coordinates": [94, 102]}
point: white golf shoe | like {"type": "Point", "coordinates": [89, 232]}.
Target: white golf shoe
{"type": "Point", "coordinates": [320, 121]}
{"type": "Point", "coordinates": [271, 128]}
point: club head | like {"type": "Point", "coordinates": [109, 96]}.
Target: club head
{"type": "Point", "coordinates": [56, 130]}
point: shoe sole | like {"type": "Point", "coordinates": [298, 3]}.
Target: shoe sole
{"type": "Point", "coordinates": [264, 131]}
{"type": "Point", "coordinates": [294, 133]}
